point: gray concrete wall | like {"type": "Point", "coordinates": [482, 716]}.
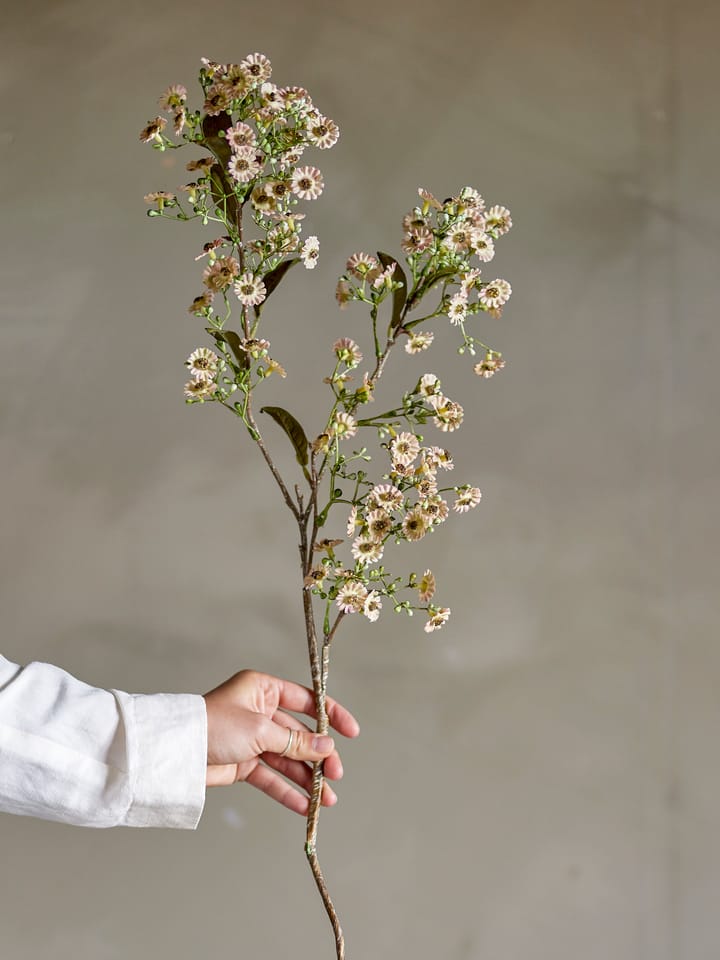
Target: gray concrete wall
{"type": "Point", "coordinates": [541, 779]}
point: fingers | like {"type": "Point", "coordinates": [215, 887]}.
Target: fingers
{"type": "Point", "coordinates": [292, 739]}
{"type": "Point", "coordinates": [333, 768]}
{"type": "Point", "coordinates": [300, 699]}
{"type": "Point", "coordinates": [273, 785]}
{"type": "Point", "coordinates": [301, 774]}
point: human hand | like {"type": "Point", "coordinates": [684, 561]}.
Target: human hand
{"type": "Point", "coordinates": [249, 730]}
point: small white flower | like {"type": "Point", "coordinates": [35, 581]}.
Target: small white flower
{"type": "Point", "coordinates": [495, 294]}
{"type": "Point", "coordinates": [417, 342]}
{"type": "Point", "coordinates": [404, 448]}
{"type": "Point", "coordinates": [250, 290]}
{"type": "Point", "coordinates": [203, 362]}
{"type": "Point", "coordinates": [351, 597]}
{"type": "Point", "coordinates": [468, 498]}
{"type": "Point", "coordinates": [438, 617]}
{"type": "Point", "coordinates": [457, 308]}
{"type": "Point", "coordinates": [372, 605]}
{"type": "Point", "coordinates": [309, 253]}
{"type": "Point", "coordinates": [307, 183]}
{"type": "Point", "coordinates": [344, 425]}
{"type": "Point", "coordinates": [366, 550]}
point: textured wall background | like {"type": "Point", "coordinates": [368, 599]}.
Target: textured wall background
{"type": "Point", "coordinates": [541, 779]}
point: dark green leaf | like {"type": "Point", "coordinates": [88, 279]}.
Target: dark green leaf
{"type": "Point", "coordinates": [293, 429]}
{"type": "Point", "coordinates": [399, 294]}
{"type": "Point", "coordinates": [233, 341]}
{"type": "Point", "coordinates": [273, 278]}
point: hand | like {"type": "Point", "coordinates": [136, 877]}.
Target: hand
{"type": "Point", "coordinates": [248, 729]}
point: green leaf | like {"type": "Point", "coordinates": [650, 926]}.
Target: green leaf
{"type": "Point", "coordinates": [223, 191]}
{"type": "Point", "coordinates": [273, 278]}
{"type": "Point", "coordinates": [293, 429]}
{"type": "Point", "coordinates": [233, 341]}
{"type": "Point", "coordinates": [399, 294]}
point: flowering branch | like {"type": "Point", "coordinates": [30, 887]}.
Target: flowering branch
{"type": "Point", "coordinates": [250, 182]}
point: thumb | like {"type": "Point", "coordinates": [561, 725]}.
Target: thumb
{"type": "Point", "coordinates": [298, 744]}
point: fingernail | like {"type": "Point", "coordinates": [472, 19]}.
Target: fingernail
{"type": "Point", "coordinates": [323, 744]}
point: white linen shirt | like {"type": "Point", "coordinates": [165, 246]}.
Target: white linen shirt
{"type": "Point", "coordinates": [99, 758]}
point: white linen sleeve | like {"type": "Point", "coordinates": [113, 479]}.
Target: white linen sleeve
{"type": "Point", "coordinates": [99, 758]}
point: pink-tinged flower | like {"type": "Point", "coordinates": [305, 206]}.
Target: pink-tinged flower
{"type": "Point", "coordinates": [307, 183]}
{"type": "Point", "coordinates": [372, 605]}
{"type": "Point", "coordinates": [379, 524]}
{"type": "Point", "coordinates": [203, 362]}
{"type": "Point", "coordinates": [295, 97]}
{"type": "Point", "coordinates": [243, 166]}
{"type": "Point", "coordinates": [471, 198]}
{"type": "Point", "coordinates": [385, 279]}
{"type": "Point", "coordinates": [343, 293]}
{"type": "Point", "coordinates": [315, 578]}
{"type": "Point", "coordinates": [291, 157]}
{"type": "Point", "coordinates": [179, 121]}
{"type": "Point", "coordinates": [434, 509]}
{"type": "Point", "coordinates": [426, 587]}
{"type": "Point", "coordinates": [201, 304]}
{"type": "Point", "coordinates": [200, 388]}
{"type": "Point", "coordinates": [461, 237]}
{"type": "Point", "coordinates": [437, 458]}
{"type": "Point", "coordinates": [468, 498]}
{"type": "Point", "coordinates": [468, 280]}
{"type": "Point", "coordinates": [220, 274]}
{"type": "Point", "coordinates": [426, 486]}
{"type": "Point", "coordinates": [363, 266]}
{"type": "Point", "coordinates": [417, 342]}
{"type": "Point", "coordinates": [257, 66]}
{"type": "Point", "coordinates": [385, 496]}
{"type": "Point", "coordinates": [322, 132]}
{"type": "Point", "coordinates": [343, 426]}
{"type": "Point", "coordinates": [489, 365]}
{"type": "Point", "coordinates": [153, 130]}
{"type": "Point", "coordinates": [438, 617]}
{"type": "Point", "coordinates": [483, 247]}
{"type": "Point", "coordinates": [495, 294]}
{"type": "Point", "coordinates": [217, 99]}
{"type": "Point", "coordinates": [250, 290]}
{"type": "Point", "coordinates": [404, 448]}
{"type": "Point", "coordinates": [366, 550]}
{"type": "Point", "coordinates": [429, 385]}
{"type": "Point", "coordinates": [236, 81]}
{"type": "Point", "coordinates": [351, 597]}
{"type": "Point", "coordinates": [448, 414]}
{"type": "Point", "coordinates": [413, 220]}
{"type": "Point", "coordinates": [429, 199]}
{"type": "Point", "coordinates": [457, 308]}
{"type": "Point", "coordinates": [256, 348]}
{"type": "Point", "coordinates": [271, 98]}
{"type": "Point", "coordinates": [262, 198]}
{"type": "Point", "coordinates": [310, 253]}
{"type": "Point", "coordinates": [415, 241]}
{"type": "Point", "coordinates": [352, 521]}
{"type": "Point", "coordinates": [415, 525]}
{"type": "Point", "coordinates": [498, 220]}
{"type": "Point", "coordinates": [240, 135]}
{"type": "Point", "coordinates": [161, 197]}
{"type": "Point", "coordinates": [347, 351]}
{"type": "Point", "coordinates": [174, 97]}
{"type": "Point", "coordinates": [281, 190]}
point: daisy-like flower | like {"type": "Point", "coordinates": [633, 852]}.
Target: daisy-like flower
{"type": "Point", "coordinates": [291, 157]}
{"type": "Point", "coordinates": [372, 605]}
{"type": "Point", "coordinates": [257, 66]}
{"type": "Point", "coordinates": [322, 132]}
{"type": "Point", "coordinates": [240, 135]}
{"type": "Point", "coordinates": [471, 198]}
{"type": "Point", "coordinates": [483, 247]}
{"type": "Point", "coordinates": [429, 199]}
{"type": "Point", "coordinates": [343, 426]}
{"type": "Point", "coordinates": [219, 274]}
{"type": "Point", "coordinates": [243, 165]}
{"type": "Point", "coordinates": [437, 458]}
{"type": "Point", "coordinates": [417, 342]}
{"type": "Point", "coordinates": [415, 241]}
{"type": "Point", "coordinates": [343, 293]}
{"type": "Point", "coordinates": [363, 266]}
{"type": "Point", "coordinates": [352, 521]}
{"type": "Point", "coordinates": [200, 388]}
{"type": "Point", "coordinates": [310, 253]}
{"type": "Point", "coordinates": [201, 304]}
{"type": "Point", "coordinates": [434, 509]}
{"type": "Point", "coordinates": [498, 220]}
{"type": "Point", "coordinates": [315, 578]}
{"type": "Point", "coordinates": [161, 197]}
{"type": "Point", "coordinates": [385, 279]}
{"type": "Point", "coordinates": [429, 385]}
{"type": "Point", "coordinates": [250, 290]}
{"type": "Point", "coordinates": [385, 496]}
{"type": "Point", "coordinates": [438, 617]}
{"type": "Point", "coordinates": [347, 351]}
{"type": "Point", "coordinates": [414, 220]}
{"type": "Point", "coordinates": [426, 587]}
{"type": "Point", "coordinates": [415, 525]}
{"type": "Point", "coordinates": [404, 448]}
{"type": "Point", "coordinates": [271, 98]}
{"type": "Point", "coordinates": [366, 550]}
{"type": "Point", "coordinates": [489, 365]}
{"type": "Point", "coordinates": [379, 524]}
{"type": "Point", "coordinates": [174, 97]}
{"type": "Point", "coordinates": [495, 294]}
{"type": "Point", "coordinates": [296, 97]}
{"type": "Point", "coordinates": [468, 498]}
{"type": "Point", "coordinates": [153, 130]}
{"type": "Point", "coordinates": [351, 597]}
{"type": "Point", "coordinates": [426, 486]}
{"type": "Point", "coordinates": [468, 281]}
{"type": "Point", "coordinates": [257, 348]}
{"type": "Point", "coordinates": [307, 183]}
{"type": "Point", "coordinates": [457, 308]}
{"type": "Point", "coordinates": [461, 237]}
{"type": "Point", "coordinates": [262, 198]}
{"type": "Point", "coordinates": [217, 99]}
{"type": "Point", "coordinates": [448, 414]}
{"type": "Point", "coordinates": [204, 164]}
{"type": "Point", "coordinates": [203, 362]}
